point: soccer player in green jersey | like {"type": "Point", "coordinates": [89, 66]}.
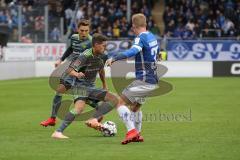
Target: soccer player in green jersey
{"type": "Point", "coordinates": [79, 43]}
{"type": "Point", "coordinates": [85, 68]}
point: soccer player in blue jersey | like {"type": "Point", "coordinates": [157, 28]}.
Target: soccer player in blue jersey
{"type": "Point", "coordinates": [145, 49]}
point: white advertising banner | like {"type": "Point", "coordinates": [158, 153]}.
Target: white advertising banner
{"type": "Point", "coordinates": [49, 51]}
{"type": "Point", "coordinates": [19, 52]}
{"type": "Point", "coordinates": [188, 69]}
{"type": "Point", "coordinates": [34, 51]}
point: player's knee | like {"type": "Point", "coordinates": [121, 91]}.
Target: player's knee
{"type": "Point", "coordinates": [135, 107]}
{"type": "Point", "coordinates": [79, 106]}
{"type": "Point", "coordinates": [61, 89]}
{"type": "Point", "coordinates": [121, 102]}
{"type": "Point", "coordinates": [75, 111]}
{"type": "Point", "coordinates": [112, 98]}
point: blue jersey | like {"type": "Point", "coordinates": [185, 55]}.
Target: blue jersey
{"type": "Point", "coordinates": [145, 49]}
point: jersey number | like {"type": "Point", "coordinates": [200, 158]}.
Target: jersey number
{"type": "Point", "coordinates": [154, 52]}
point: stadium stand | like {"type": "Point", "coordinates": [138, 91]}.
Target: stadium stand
{"type": "Point", "coordinates": [107, 17]}
{"type": "Point", "coordinates": [202, 18]}
{"type": "Point", "coordinates": [182, 18]}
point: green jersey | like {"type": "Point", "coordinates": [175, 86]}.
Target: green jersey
{"type": "Point", "coordinates": [77, 46]}
{"type": "Point", "coordinates": [89, 64]}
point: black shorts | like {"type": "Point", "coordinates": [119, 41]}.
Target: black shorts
{"type": "Point", "coordinates": [85, 93]}
{"type": "Point", "coordinates": [67, 84]}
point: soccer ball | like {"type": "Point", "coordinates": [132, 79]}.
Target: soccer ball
{"type": "Point", "coordinates": [110, 129]}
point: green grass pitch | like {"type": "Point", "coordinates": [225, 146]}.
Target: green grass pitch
{"type": "Point", "coordinates": [206, 124]}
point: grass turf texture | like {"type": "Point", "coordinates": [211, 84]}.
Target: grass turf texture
{"type": "Point", "coordinates": [211, 133]}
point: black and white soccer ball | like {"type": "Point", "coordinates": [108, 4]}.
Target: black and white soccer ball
{"type": "Point", "coordinates": [110, 129]}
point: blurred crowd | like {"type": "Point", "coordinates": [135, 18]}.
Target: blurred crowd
{"type": "Point", "coordinates": [109, 16]}
{"type": "Point", "coordinates": [32, 19]}
{"type": "Point", "coordinates": [202, 18]}
{"type": "Point", "coordinates": [182, 18]}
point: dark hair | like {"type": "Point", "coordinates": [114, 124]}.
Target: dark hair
{"type": "Point", "coordinates": [84, 22]}
{"type": "Point", "coordinates": [98, 38]}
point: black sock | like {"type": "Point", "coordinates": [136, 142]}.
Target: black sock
{"type": "Point", "coordinates": [56, 105]}
{"type": "Point", "coordinates": [102, 109]}
{"type": "Point", "coordinates": [69, 118]}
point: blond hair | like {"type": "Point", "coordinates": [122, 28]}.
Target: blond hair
{"type": "Point", "coordinates": [139, 20]}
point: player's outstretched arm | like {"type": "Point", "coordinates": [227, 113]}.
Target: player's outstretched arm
{"type": "Point", "coordinates": [126, 54]}
{"type": "Point", "coordinates": [123, 55]}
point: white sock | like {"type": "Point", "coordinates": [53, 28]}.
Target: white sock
{"type": "Point", "coordinates": [138, 120]}
{"type": "Point", "coordinates": [126, 117]}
